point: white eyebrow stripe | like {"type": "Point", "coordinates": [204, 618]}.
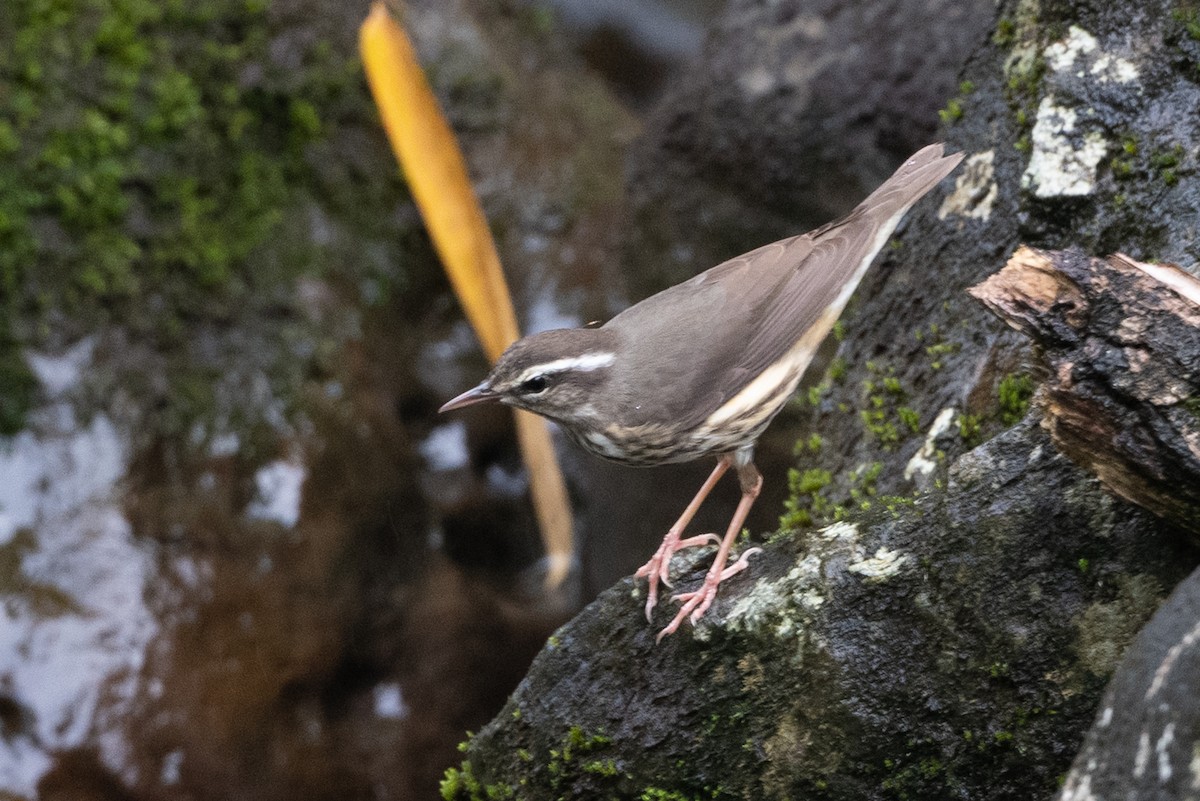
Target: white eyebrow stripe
{"type": "Point", "coordinates": [586, 362]}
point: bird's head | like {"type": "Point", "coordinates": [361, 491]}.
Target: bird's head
{"type": "Point", "coordinates": [555, 374]}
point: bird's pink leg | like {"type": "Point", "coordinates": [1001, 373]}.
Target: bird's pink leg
{"type": "Point", "coordinates": [695, 604]}
{"type": "Point", "coordinates": [657, 568]}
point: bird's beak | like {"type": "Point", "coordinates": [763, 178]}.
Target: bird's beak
{"type": "Point", "coordinates": [479, 394]}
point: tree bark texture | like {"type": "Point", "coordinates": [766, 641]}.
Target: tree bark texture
{"type": "Point", "coordinates": [1121, 341]}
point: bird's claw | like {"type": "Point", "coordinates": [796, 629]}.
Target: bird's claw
{"type": "Point", "coordinates": [659, 566]}
{"type": "Point", "coordinates": [696, 603]}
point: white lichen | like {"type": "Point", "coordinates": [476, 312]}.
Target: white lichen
{"type": "Point", "coordinates": [840, 532]}
{"type": "Point", "coordinates": [924, 461]}
{"type": "Point", "coordinates": [1162, 750]}
{"type": "Point", "coordinates": [1065, 53]}
{"type": "Point", "coordinates": [1064, 160]}
{"type": "Point", "coordinates": [974, 189]}
{"type": "Point", "coordinates": [775, 601]}
{"type": "Point", "coordinates": [1114, 68]}
{"type": "Point", "coordinates": [883, 565]}
{"type": "Point", "coordinates": [1074, 52]}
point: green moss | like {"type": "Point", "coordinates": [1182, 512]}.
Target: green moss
{"type": "Point", "coordinates": [915, 778]}
{"type": "Point", "coordinates": [1122, 165]}
{"type": "Point", "coordinates": [910, 418]}
{"type": "Point", "coordinates": [1024, 82]}
{"type": "Point", "coordinates": [970, 429]}
{"type": "Point", "coordinates": [1166, 164]}
{"type": "Point", "coordinates": [460, 784]}
{"type": "Point", "coordinates": [1014, 393]}
{"type": "Point", "coordinates": [816, 393]}
{"type": "Point", "coordinates": [952, 113]}
{"type": "Point", "coordinates": [811, 445]}
{"type": "Point", "coordinates": [1006, 32]}
{"type": "Point", "coordinates": [1188, 15]}
{"type": "Point", "coordinates": [657, 794]}
{"type": "Point", "coordinates": [883, 414]}
{"type": "Point", "coordinates": [606, 767]}
{"type": "Point", "coordinates": [806, 502]}
{"type": "Point", "coordinates": [152, 153]}
{"type": "Point", "coordinates": [938, 348]}
{"type": "Point", "coordinates": [811, 481]}
{"type": "Point", "coordinates": [1191, 405]}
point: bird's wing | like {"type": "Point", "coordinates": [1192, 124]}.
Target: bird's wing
{"type": "Point", "coordinates": [701, 342]}
{"type": "Point", "coordinates": [693, 339]}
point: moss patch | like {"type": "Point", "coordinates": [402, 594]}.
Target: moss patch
{"type": "Point", "coordinates": [159, 164]}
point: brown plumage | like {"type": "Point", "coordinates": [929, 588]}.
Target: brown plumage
{"type": "Point", "coordinates": [702, 367]}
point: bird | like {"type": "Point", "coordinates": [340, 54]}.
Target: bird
{"type": "Point", "coordinates": [701, 368]}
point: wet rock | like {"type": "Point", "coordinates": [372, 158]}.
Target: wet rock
{"type": "Point", "coordinates": [914, 344]}
{"type": "Point", "coordinates": [955, 644]}
{"type": "Point", "coordinates": [1143, 742]}
{"type": "Point", "coordinates": [221, 574]}
{"type": "Point", "coordinates": [952, 646]}
{"type": "Point", "coordinates": [793, 112]}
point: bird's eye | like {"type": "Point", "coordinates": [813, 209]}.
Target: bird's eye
{"type": "Point", "coordinates": [534, 385]}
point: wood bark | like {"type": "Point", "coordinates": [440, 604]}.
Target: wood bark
{"type": "Point", "coordinates": [1121, 343]}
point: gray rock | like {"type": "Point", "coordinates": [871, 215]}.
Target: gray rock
{"type": "Point", "coordinates": [1144, 743]}
{"type": "Point", "coordinates": [951, 647]}
{"type": "Point", "coordinates": [791, 115]}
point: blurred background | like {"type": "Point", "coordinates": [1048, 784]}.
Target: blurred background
{"type": "Point", "coordinates": [240, 555]}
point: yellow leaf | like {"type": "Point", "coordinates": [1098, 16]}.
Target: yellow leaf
{"type": "Point", "coordinates": [437, 178]}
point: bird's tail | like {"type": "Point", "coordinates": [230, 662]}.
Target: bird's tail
{"type": "Point", "coordinates": [910, 182]}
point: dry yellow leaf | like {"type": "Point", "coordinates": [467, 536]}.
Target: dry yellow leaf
{"type": "Point", "coordinates": [437, 178]}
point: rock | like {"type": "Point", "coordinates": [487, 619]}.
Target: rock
{"type": "Point", "coordinates": [958, 648]}
{"type": "Point", "coordinates": [1143, 743]}
{"type": "Point", "coordinates": [791, 115]}
{"type": "Point", "coordinates": [913, 343]}
{"type": "Point", "coordinates": [952, 646]}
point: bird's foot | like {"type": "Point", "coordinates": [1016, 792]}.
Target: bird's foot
{"type": "Point", "coordinates": [696, 603]}
{"type": "Point", "coordinates": [658, 568]}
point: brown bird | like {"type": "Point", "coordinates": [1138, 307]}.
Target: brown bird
{"type": "Point", "coordinates": [702, 367]}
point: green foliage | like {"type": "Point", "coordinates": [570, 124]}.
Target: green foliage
{"type": "Point", "coordinates": [17, 386]}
